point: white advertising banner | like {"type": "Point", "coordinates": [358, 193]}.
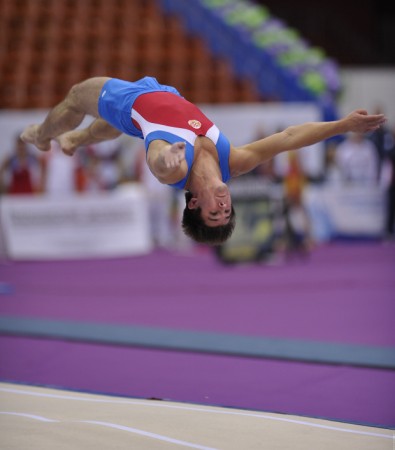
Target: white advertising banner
{"type": "Point", "coordinates": [81, 226]}
{"type": "Point", "coordinates": [354, 211]}
{"type": "Point", "coordinates": [357, 210]}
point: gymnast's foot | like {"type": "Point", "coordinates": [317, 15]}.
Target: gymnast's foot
{"type": "Point", "coordinates": [174, 154]}
{"type": "Point", "coordinates": [29, 135]}
{"type": "Point", "coordinates": [67, 142]}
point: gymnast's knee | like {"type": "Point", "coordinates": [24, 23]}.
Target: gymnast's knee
{"type": "Point", "coordinates": [73, 98]}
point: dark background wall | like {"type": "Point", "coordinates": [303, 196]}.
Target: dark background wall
{"type": "Point", "coordinates": [354, 33]}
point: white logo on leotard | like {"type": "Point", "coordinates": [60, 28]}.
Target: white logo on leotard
{"type": "Point", "coordinates": [104, 93]}
{"type": "Point", "coordinates": [194, 124]}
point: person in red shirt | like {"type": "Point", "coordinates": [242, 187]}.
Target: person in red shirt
{"type": "Point", "coordinates": [20, 172]}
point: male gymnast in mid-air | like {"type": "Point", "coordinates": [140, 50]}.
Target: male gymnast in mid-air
{"type": "Point", "coordinates": [184, 148]}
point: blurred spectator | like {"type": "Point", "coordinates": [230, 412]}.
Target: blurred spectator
{"type": "Point", "coordinates": [383, 139]}
{"type": "Point", "coordinates": [357, 160]}
{"type": "Point", "coordinates": [85, 174]}
{"type": "Point", "coordinates": [59, 172]}
{"type": "Point", "coordinates": [332, 171]}
{"type": "Point", "coordinates": [162, 202]}
{"type": "Point", "coordinates": [95, 168]}
{"type": "Point", "coordinates": [266, 170]}
{"type": "Point", "coordinates": [298, 229]}
{"type": "Point", "coordinates": [389, 162]}
{"type": "Point", "coordinates": [105, 164]}
{"type": "Point", "coordinates": [262, 169]}
{"type": "Point", "coordinates": [21, 172]}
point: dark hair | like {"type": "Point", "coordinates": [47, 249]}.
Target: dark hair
{"type": "Point", "coordinates": [194, 226]}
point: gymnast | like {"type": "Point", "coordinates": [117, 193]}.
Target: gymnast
{"type": "Point", "coordinates": [184, 149]}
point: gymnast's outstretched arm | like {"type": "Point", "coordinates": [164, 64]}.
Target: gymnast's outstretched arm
{"type": "Point", "coordinates": [245, 158]}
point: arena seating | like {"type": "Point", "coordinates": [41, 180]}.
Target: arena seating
{"type": "Point", "coordinates": [47, 45]}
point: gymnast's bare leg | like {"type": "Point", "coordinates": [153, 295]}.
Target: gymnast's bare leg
{"type": "Point", "coordinates": [81, 100]}
{"type": "Point", "coordinates": [99, 130]}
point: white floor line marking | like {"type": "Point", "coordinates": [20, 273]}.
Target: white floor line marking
{"type": "Point", "coordinates": [29, 416]}
{"type": "Point", "coordinates": [112, 425]}
{"type": "Point", "coordinates": [197, 409]}
{"type": "Point", "coordinates": [148, 434]}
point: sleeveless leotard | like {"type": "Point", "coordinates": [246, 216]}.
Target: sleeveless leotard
{"type": "Point", "coordinates": [149, 111]}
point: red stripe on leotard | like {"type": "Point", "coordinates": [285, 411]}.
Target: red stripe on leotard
{"type": "Point", "coordinates": [169, 109]}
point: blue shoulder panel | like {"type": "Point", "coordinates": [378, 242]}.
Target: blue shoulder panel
{"type": "Point", "coordinates": [172, 139]}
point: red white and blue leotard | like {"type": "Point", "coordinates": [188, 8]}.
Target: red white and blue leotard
{"type": "Point", "coordinates": [149, 110]}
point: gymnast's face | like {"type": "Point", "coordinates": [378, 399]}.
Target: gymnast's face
{"type": "Point", "coordinates": [215, 204]}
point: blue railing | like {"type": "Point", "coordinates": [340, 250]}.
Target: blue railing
{"type": "Point", "coordinates": [262, 48]}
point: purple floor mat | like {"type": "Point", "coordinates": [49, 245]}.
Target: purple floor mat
{"type": "Point", "coordinates": [338, 393]}
{"type": "Point", "coordinates": [342, 293]}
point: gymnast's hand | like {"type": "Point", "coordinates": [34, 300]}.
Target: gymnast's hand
{"type": "Point", "coordinates": [362, 122]}
{"type": "Point", "coordinates": [173, 155]}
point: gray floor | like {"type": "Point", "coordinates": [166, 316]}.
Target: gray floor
{"type": "Point", "coordinates": [45, 419]}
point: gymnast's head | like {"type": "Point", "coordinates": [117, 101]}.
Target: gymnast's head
{"type": "Point", "coordinates": [209, 217]}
